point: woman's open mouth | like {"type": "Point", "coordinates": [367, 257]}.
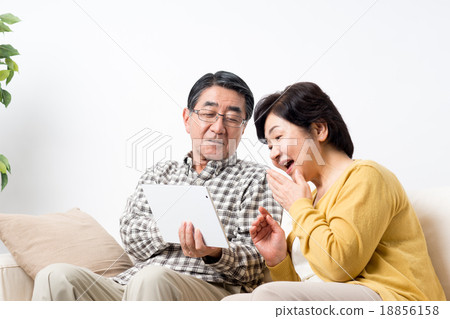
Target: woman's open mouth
{"type": "Point", "coordinates": [289, 166]}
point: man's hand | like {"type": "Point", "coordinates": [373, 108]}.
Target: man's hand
{"type": "Point", "coordinates": [193, 245]}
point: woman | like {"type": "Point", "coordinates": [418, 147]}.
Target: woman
{"type": "Point", "coordinates": [357, 230]}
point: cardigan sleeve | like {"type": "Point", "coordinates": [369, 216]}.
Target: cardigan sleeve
{"type": "Point", "coordinates": [284, 271]}
{"type": "Point", "coordinates": [339, 238]}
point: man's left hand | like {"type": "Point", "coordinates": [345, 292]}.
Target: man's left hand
{"type": "Point", "coordinates": [193, 245]}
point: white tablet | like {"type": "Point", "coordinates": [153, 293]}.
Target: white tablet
{"type": "Point", "coordinates": [172, 205]}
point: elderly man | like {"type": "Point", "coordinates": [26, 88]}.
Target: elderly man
{"type": "Point", "coordinates": [219, 106]}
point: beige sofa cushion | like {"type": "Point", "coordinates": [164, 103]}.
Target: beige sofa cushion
{"type": "Point", "coordinates": [15, 284]}
{"type": "Point", "coordinates": [73, 237]}
{"type": "Point", "coordinates": [432, 207]}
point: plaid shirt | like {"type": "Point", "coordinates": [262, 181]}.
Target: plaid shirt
{"type": "Point", "coordinates": [237, 188]}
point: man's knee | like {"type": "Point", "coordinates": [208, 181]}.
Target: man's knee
{"type": "Point", "coordinates": [52, 280]}
{"type": "Point", "coordinates": [153, 283]}
{"type": "Point", "coordinates": [56, 273]}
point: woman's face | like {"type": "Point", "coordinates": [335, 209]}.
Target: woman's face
{"type": "Point", "coordinates": [292, 148]}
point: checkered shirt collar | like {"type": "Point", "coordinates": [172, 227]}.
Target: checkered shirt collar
{"type": "Point", "coordinates": [213, 167]}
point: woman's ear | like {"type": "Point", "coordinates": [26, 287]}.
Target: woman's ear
{"type": "Point", "coordinates": [320, 131]}
{"type": "Point", "coordinates": [186, 117]}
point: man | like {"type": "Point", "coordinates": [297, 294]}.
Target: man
{"type": "Point", "coordinates": [219, 106]}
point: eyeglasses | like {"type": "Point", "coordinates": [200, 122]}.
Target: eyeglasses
{"type": "Point", "coordinates": [229, 120]}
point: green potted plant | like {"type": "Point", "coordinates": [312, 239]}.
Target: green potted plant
{"type": "Point", "coordinates": [7, 69]}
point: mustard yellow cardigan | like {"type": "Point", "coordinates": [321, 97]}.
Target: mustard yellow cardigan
{"type": "Point", "coordinates": [364, 231]}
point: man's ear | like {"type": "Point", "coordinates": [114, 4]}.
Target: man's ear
{"type": "Point", "coordinates": [243, 128]}
{"type": "Point", "coordinates": [320, 131]}
{"type": "Point", "coordinates": [186, 120]}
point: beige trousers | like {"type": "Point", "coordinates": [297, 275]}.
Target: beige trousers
{"type": "Point", "coordinates": [307, 291]}
{"type": "Point", "coordinates": [70, 283]}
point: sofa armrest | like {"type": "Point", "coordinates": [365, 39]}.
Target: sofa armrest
{"type": "Point", "coordinates": [15, 284]}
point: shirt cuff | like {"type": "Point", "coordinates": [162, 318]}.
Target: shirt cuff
{"type": "Point", "coordinates": [212, 260]}
{"type": "Point", "coordinates": [225, 263]}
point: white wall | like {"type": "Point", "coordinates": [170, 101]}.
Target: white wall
{"type": "Point", "coordinates": [94, 73]}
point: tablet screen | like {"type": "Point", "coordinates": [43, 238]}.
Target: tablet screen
{"type": "Point", "coordinates": [172, 205]}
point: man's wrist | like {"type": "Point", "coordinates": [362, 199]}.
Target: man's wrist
{"type": "Point", "coordinates": [214, 257]}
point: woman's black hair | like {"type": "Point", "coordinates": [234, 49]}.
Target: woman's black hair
{"type": "Point", "coordinates": [302, 104]}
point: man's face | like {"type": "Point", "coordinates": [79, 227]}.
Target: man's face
{"type": "Point", "coordinates": [215, 141]}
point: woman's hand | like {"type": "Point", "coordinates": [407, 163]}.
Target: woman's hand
{"type": "Point", "coordinates": [269, 238]}
{"type": "Point", "coordinates": [286, 191]}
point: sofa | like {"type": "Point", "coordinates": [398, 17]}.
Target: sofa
{"type": "Point", "coordinates": [432, 207]}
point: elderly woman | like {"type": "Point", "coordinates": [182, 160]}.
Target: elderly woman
{"type": "Point", "coordinates": [357, 230]}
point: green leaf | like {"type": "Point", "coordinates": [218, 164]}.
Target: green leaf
{"type": "Point", "coordinates": [2, 168]}
{"type": "Point", "coordinates": [5, 161]}
{"type": "Point", "coordinates": [12, 65]}
{"type": "Point", "coordinates": [9, 18]}
{"type": "Point", "coordinates": [6, 98]}
{"type": "Point", "coordinates": [10, 76]}
{"type": "Point", "coordinates": [4, 74]}
{"type": "Point", "coordinates": [4, 27]}
{"type": "Point", "coordinates": [4, 180]}
{"type": "Point", "coordinates": [7, 50]}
